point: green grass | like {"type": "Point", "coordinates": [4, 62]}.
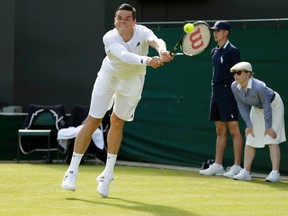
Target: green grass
{"type": "Point", "coordinates": [34, 189]}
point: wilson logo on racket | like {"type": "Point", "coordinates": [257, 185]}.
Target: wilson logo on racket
{"type": "Point", "coordinates": [196, 39]}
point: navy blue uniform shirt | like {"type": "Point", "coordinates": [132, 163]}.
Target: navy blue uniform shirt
{"type": "Point", "coordinates": [223, 106]}
{"type": "Point", "coordinates": [222, 60]}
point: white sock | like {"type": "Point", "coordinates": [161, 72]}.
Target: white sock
{"type": "Point", "coordinates": [75, 161]}
{"type": "Point", "coordinates": [275, 171]}
{"type": "Point", "coordinates": [247, 171]}
{"type": "Point", "coordinates": [218, 165]}
{"type": "Point", "coordinates": [110, 163]}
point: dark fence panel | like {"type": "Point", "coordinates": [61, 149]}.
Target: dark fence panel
{"type": "Point", "coordinates": [171, 123]}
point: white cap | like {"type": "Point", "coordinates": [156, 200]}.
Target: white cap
{"type": "Point", "coordinates": [241, 66]}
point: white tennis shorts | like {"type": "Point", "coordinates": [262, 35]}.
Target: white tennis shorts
{"type": "Point", "coordinates": [123, 93]}
{"type": "Point", "coordinates": [257, 117]}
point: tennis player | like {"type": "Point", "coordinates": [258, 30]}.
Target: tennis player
{"type": "Point", "coordinates": [119, 84]}
{"type": "Point", "coordinates": [223, 106]}
{"type": "Point", "coordinates": [263, 112]}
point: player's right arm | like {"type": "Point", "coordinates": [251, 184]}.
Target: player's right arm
{"type": "Point", "coordinates": [113, 47]}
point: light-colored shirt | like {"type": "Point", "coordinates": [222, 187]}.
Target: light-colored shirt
{"type": "Point", "coordinates": [258, 95]}
{"type": "Point", "coordinates": [126, 59]}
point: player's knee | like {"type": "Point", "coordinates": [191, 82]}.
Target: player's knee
{"type": "Point", "coordinates": [116, 121]}
{"type": "Point", "coordinates": [91, 123]}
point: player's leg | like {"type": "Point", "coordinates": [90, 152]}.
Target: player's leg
{"type": "Point", "coordinates": [126, 100]}
{"type": "Point", "coordinates": [82, 142]}
{"type": "Point", "coordinates": [84, 136]}
{"type": "Point", "coordinates": [114, 139]}
{"type": "Point", "coordinates": [115, 134]}
{"type": "Point", "coordinates": [101, 101]}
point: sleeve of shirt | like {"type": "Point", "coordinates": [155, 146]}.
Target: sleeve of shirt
{"type": "Point", "coordinates": [244, 109]}
{"type": "Point", "coordinates": [266, 103]}
{"type": "Point", "coordinates": [120, 52]}
{"type": "Point", "coordinates": [235, 56]}
{"type": "Point", "coordinates": [151, 39]}
{"type": "Point", "coordinates": [149, 34]}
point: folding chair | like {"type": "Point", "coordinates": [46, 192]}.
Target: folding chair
{"type": "Point", "coordinates": [40, 130]}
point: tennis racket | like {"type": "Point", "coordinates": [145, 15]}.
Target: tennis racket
{"type": "Point", "coordinates": [195, 42]}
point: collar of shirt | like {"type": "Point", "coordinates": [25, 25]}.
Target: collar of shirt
{"type": "Point", "coordinates": [225, 45]}
{"type": "Point", "coordinates": [249, 85]}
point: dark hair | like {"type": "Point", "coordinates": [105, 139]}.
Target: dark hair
{"type": "Point", "coordinates": [127, 7]}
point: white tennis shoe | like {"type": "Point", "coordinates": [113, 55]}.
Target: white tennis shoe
{"type": "Point", "coordinates": [69, 181]}
{"type": "Point", "coordinates": [274, 176]}
{"type": "Point", "coordinates": [243, 175]}
{"type": "Point", "coordinates": [214, 169]}
{"type": "Point", "coordinates": [234, 170]}
{"type": "Point", "coordinates": [103, 185]}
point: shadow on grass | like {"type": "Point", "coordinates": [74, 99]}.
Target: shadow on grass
{"type": "Point", "coordinates": [281, 185]}
{"type": "Point", "coordinates": [154, 209]}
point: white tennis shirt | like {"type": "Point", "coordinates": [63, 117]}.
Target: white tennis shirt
{"type": "Point", "coordinates": [126, 59]}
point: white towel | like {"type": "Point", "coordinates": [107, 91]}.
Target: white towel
{"type": "Point", "coordinates": [65, 134]}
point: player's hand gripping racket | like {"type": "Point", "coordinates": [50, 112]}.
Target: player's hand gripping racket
{"type": "Point", "coordinates": [195, 42]}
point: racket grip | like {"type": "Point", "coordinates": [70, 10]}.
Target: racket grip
{"type": "Point", "coordinates": [177, 54]}
{"type": "Point", "coordinates": [172, 52]}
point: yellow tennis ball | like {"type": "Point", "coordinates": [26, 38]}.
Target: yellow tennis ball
{"type": "Point", "coordinates": [188, 27]}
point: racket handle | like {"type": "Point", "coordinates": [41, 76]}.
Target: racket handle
{"type": "Point", "coordinates": [177, 54]}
